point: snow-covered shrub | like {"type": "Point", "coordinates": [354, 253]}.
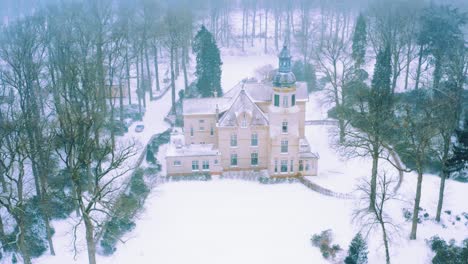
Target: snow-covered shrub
{"type": "Point", "coordinates": [449, 253]}
{"type": "Point", "coordinates": [125, 209]}
{"type": "Point", "coordinates": [35, 232]}
{"type": "Point", "coordinates": [323, 242]}
{"type": "Point", "coordinates": [357, 252]}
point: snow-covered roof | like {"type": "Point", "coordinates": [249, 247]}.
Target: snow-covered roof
{"type": "Point", "coordinates": [191, 150]}
{"type": "Point", "coordinates": [257, 92]}
{"type": "Point", "coordinates": [262, 92]}
{"type": "Point", "coordinates": [305, 150]}
{"type": "Point", "coordinates": [200, 106]}
{"type": "Point", "coordinates": [243, 104]}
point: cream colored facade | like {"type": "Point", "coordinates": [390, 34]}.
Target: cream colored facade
{"type": "Point", "coordinates": [253, 127]}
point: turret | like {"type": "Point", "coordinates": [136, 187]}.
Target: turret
{"type": "Point", "coordinates": [284, 82]}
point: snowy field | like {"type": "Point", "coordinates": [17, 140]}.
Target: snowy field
{"type": "Point", "coordinates": [229, 221]}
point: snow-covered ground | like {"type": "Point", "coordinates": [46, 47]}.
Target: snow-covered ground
{"type": "Point", "coordinates": [229, 221]}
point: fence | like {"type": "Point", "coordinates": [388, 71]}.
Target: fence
{"type": "Point", "coordinates": [317, 188]}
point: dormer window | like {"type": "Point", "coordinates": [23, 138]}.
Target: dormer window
{"type": "Point", "coordinates": [244, 121]}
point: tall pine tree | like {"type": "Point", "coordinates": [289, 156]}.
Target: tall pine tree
{"type": "Point", "coordinates": [359, 41]}
{"type": "Point", "coordinates": [380, 112]}
{"type": "Point", "coordinates": [209, 63]}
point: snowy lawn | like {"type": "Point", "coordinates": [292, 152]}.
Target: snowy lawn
{"type": "Point", "coordinates": [229, 221]}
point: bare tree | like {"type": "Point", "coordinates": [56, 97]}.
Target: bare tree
{"type": "Point", "coordinates": [13, 156]}
{"type": "Point", "coordinates": [375, 219]}
{"type": "Point", "coordinates": [22, 52]}
{"type": "Point", "coordinates": [333, 60]}
{"type": "Point", "coordinates": [417, 124]}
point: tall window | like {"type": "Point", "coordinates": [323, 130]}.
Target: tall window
{"type": "Point", "coordinates": [293, 100]}
{"type": "Point", "coordinates": [191, 131]}
{"type": "Point", "coordinates": [285, 101]}
{"type": "Point", "coordinates": [284, 166]}
{"type": "Point", "coordinates": [276, 165]}
{"type": "Point", "coordinates": [277, 99]}
{"type": "Point", "coordinates": [254, 139]}
{"type": "Point", "coordinates": [201, 122]}
{"type": "Point", "coordinates": [291, 168]}
{"type": "Point", "coordinates": [206, 165]}
{"type": "Point", "coordinates": [284, 146]}
{"type": "Point", "coordinates": [284, 127]}
{"type": "Point", "coordinates": [244, 122]}
{"type": "Point", "coordinates": [307, 166]}
{"type": "Point", "coordinates": [301, 165]}
{"type": "Point", "coordinates": [254, 158]}
{"type": "Point", "coordinates": [195, 165]}
{"type": "Point", "coordinates": [211, 130]}
{"type": "Point", "coordinates": [233, 159]}
{"type": "Point", "coordinates": [233, 140]}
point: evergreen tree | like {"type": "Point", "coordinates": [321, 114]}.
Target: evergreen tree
{"type": "Point", "coordinates": [441, 30]}
{"type": "Point", "coordinates": [150, 156]}
{"type": "Point", "coordinates": [357, 253]}
{"type": "Point", "coordinates": [359, 41]}
{"type": "Point", "coordinates": [380, 111]}
{"type": "Point", "coordinates": [209, 63]}
{"type": "Point", "coordinates": [459, 161]}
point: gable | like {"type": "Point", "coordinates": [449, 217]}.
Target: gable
{"type": "Point", "coordinates": [243, 106]}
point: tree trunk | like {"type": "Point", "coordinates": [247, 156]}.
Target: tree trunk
{"type": "Point", "coordinates": [176, 61]}
{"type": "Point", "coordinates": [143, 81]}
{"type": "Point", "coordinates": [243, 29]}
{"type": "Point", "coordinates": [276, 29]}
{"type": "Point", "coordinates": [121, 112]}
{"type": "Point", "coordinates": [408, 62]}
{"type": "Point", "coordinates": [49, 234]}
{"type": "Point", "coordinates": [266, 31]}
{"type": "Point", "coordinates": [184, 66]}
{"type": "Point", "coordinates": [341, 125]}
{"type": "Point", "coordinates": [253, 25]}
{"type": "Point", "coordinates": [156, 68]}
{"type": "Point", "coordinates": [90, 239]}
{"type": "Point", "coordinates": [443, 177]}
{"type": "Point", "coordinates": [22, 241]}
{"type": "Point", "coordinates": [173, 92]}
{"type": "Point", "coordinates": [2, 178]}
{"type": "Point", "coordinates": [2, 231]}
{"type": "Point", "coordinates": [417, 200]}
{"type": "Point", "coordinates": [139, 89]}
{"type": "Point", "coordinates": [373, 185]}
{"type": "Point", "coordinates": [385, 239]}
{"type": "Point", "coordinates": [418, 70]}
{"type": "Point", "coordinates": [437, 72]}
{"type": "Point", "coordinates": [127, 66]}
{"type": "Point", "coordinates": [148, 73]}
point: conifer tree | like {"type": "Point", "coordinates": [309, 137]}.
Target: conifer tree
{"type": "Point", "coordinates": [459, 161]}
{"type": "Point", "coordinates": [357, 253]}
{"type": "Point", "coordinates": [209, 63]}
{"type": "Point", "coordinates": [359, 41]}
{"type": "Point", "coordinates": [380, 111]}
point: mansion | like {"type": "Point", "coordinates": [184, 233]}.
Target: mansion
{"type": "Point", "coordinates": [253, 127]}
